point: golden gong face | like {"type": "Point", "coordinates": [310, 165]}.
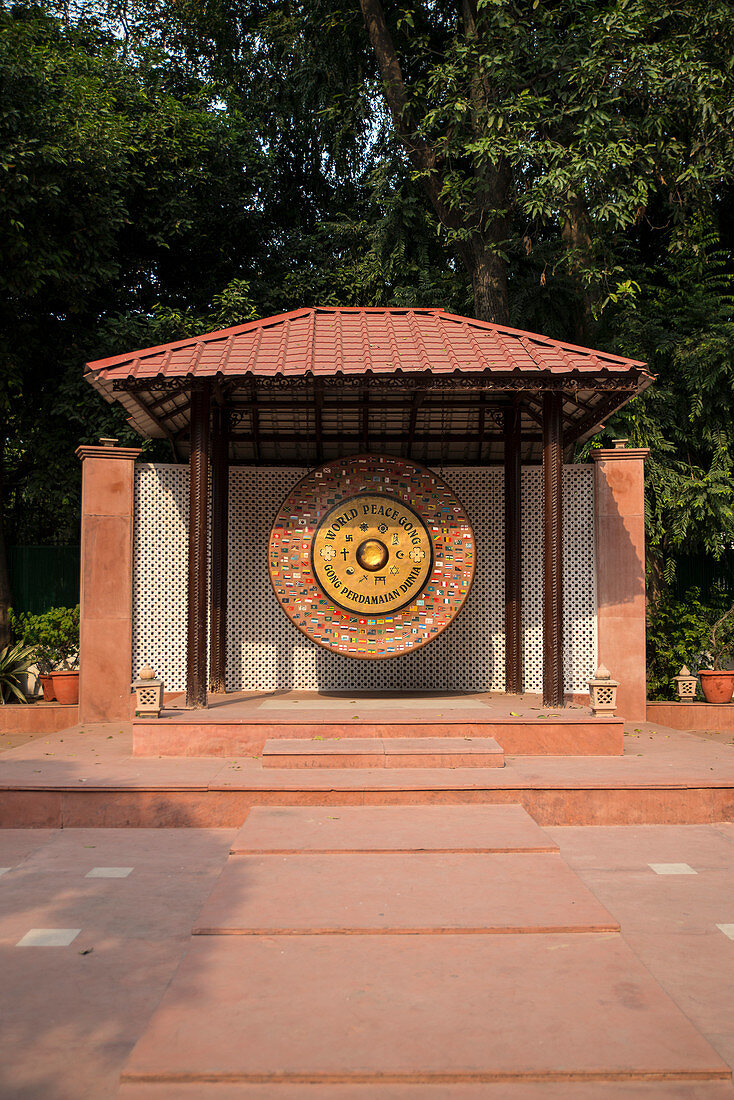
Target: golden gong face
{"type": "Point", "coordinates": [372, 553]}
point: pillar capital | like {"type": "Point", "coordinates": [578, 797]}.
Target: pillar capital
{"type": "Point", "coordinates": [619, 454]}
{"type": "Point", "coordinates": [105, 450]}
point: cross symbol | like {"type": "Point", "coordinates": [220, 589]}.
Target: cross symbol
{"type": "Point", "coordinates": [343, 554]}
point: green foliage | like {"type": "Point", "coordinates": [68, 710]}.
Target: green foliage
{"type": "Point", "coordinates": [14, 661]}
{"type": "Point", "coordinates": [679, 633]}
{"type": "Point", "coordinates": [53, 637]}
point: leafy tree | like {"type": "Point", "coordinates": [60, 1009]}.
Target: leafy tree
{"type": "Point", "coordinates": [121, 190]}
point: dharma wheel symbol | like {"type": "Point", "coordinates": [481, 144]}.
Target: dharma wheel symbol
{"type": "Point", "coordinates": [416, 554]}
{"type": "Point", "coordinates": [328, 552]}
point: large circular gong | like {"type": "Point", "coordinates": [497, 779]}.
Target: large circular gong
{"type": "Point", "coordinates": [371, 556]}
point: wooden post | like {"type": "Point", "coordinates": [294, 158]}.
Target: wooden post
{"type": "Point", "coordinates": [552, 550]}
{"type": "Point", "coordinates": [513, 565]}
{"type": "Point", "coordinates": [220, 532]}
{"type": "Point", "coordinates": [196, 637]}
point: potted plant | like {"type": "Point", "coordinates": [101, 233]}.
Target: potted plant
{"type": "Point", "coordinates": [717, 683]}
{"type": "Point", "coordinates": [15, 660]}
{"type": "Point", "coordinates": [54, 638]}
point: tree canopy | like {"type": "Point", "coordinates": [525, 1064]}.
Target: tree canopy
{"type": "Point", "coordinates": [564, 166]}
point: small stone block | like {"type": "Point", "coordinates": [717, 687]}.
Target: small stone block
{"type": "Point", "coordinates": [672, 869]}
{"type": "Point", "coordinates": [109, 872]}
{"type": "Point", "coordinates": [727, 929]}
{"type": "Point", "coordinates": [49, 937]}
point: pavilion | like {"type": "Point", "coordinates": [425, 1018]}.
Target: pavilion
{"type": "Point", "coordinates": [302, 388]}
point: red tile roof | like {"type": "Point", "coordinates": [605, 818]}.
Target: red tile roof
{"type": "Point", "coordinates": [339, 340]}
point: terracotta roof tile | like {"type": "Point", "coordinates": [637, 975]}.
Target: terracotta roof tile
{"type": "Point", "coordinates": [334, 340]}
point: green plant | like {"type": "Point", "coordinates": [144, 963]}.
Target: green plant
{"type": "Point", "coordinates": [679, 633]}
{"type": "Point", "coordinates": [14, 661]}
{"type": "Point", "coordinates": [53, 636]}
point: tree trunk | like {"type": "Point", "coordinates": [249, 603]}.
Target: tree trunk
{"type": "Point", "coordinates": [576, 234]}
{"type": "Point", "coordinates": [489, 281]}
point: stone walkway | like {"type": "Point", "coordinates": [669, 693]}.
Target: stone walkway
{"type": "Point", "coordinates": [339, 951]}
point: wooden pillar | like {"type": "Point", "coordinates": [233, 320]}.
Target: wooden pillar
{"type": "Point", "coordinates": [513, 574]}
{"type": "Point", "coordinates": [552, 550]}
{"type": "Point", "coordinates": [196, 636]}
{"type": "Point", "coordinates": [220, 532]}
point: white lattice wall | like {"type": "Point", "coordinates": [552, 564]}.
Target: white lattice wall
{"type": "Point", "coordinates": [266, 652]}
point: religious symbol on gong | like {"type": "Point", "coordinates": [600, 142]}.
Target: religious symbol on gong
{"type": "Point", "coordinates": [371, 556]}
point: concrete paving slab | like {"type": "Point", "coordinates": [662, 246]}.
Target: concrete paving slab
{"type": "Point", "coordinates": [400, 892]}
{"type": "Point", "coordinates": [49, 937]}
{"type": "Point", "coordinates": [336, 1008]}
{"type": "Point", "coordinates": [282, 829]}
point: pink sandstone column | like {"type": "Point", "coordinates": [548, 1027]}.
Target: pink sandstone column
{"type": "Point", "coordinates": [108, 475]}
{"type": "Point", "coordinates": [620, 565]}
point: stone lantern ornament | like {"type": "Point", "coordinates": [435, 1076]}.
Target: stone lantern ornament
{"type": "Point", "coordinates": [603, 692]}
{"type": "Point", "coordinates": [685, 685]}
{"type": "Point", "coordinates": [149, 694]}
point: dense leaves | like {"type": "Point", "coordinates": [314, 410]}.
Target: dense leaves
{"type": "Point", "coordinates": [171, 168]}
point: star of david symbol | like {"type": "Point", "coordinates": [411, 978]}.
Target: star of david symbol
{"type": "Point", "coordinates": [416, 554]}
{"type": "Point", "coordinates": [327, 553]}
{"type": "Point", "coordinates": [363, 527]}
{"type": "Point", "coordinates": [393, 569]}
{"type": "Point", "coordinates": [382, 528]}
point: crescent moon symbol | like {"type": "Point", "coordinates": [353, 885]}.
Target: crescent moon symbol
{"type": "Point", "coordinates": [399, 554]}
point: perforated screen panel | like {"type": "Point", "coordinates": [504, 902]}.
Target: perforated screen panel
{"type": "Point", "coordinates": [266, 652]}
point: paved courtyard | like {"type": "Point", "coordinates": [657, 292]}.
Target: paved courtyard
{"type": "Point", "coordinates": [94, 922]}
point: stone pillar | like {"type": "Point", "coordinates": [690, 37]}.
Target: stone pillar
{"type": "Point", "coordinates": [619, 506]}
{"type": "Point", "coordinates": [105, 604]}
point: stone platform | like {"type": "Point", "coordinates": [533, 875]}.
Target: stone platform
{"type": "Point", "coordinates": [88, 776]}
{"type": "Point", "coordinates": [240, 724]}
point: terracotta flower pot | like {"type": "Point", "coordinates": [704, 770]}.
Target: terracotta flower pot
{"type": "Point", "coordinates": [66, 686]}
{"type": "Point", "coordinates": [717, 686]}
{"type": "Point", "coordinates": [47, 687]}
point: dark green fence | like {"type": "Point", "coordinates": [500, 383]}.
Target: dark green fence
{"type": "Point", "coordinates": [43, 577]}
{"type": "Point", "coordinates": [700, 571]}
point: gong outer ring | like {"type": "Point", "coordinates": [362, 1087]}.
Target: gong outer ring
{"type": "Point", "coordinates": [352, 634]}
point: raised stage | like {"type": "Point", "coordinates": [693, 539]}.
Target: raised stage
{"type": "Point", "coordinates": [243, 723]}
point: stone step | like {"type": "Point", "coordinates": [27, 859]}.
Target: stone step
{"type": "Point", "coordinates": [401, 892]}
{"type": "Point", "coordinates": [210, 733]}
{"type": "Point", "coordinates": [383, 752]}
{"type": "Point", "coordinates": [449, 1010]}
{"type": "Point", "coordinates": [288, 829]}
{"type": "Point", "coordinates": [504, 1090]}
